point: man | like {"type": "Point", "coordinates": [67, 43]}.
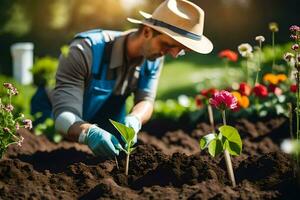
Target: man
{"type": "Point", "coordinates": [104, 67]}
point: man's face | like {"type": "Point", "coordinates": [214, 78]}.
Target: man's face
{"type": "Point", "coordinates": [157, 45]}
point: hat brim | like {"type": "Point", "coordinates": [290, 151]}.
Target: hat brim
{"type": "Point", "coordinates": [203, 46]}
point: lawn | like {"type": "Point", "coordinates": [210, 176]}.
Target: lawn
{"type": "Point", "coordinates": [188, 74]}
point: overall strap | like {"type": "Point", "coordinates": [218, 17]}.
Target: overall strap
{"type": "Point", "coordinates": [104, 64]}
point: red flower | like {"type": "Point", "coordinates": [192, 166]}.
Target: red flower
{"type": "Point", "coordinates": [230, 55]}
{"type": "Point", "coordinates": [274, 89]}
{"type": "Point", "coordinates": [260, 91]}
{"type": "Point", "coordinates": [293, 88]}
{"type": "Point", "coordinates": [208, 93]}
{"type": "Point", "coordinates": [223, 99]}
{"type": "Point", "coordinates": [198, 101]}
{"type": "Point", "coordinates": [245, 89]}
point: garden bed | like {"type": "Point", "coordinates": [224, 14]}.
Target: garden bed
{"type": "Point", "coordinates": [167, 166]}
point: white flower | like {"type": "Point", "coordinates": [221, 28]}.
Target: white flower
{"type": "Point", "coordinates": [183, 100]}
{"type": "Point", "coordinates": [260, 38]}
{"type": "Point", "coordinates": [288, 146]}
{"type": "Point", "coordinates": [245, 50]}
{"type": "Point", "coordinates": [289, 57]}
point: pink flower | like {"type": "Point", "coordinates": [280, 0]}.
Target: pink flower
{"type": "Point", "coordinates": [293, 88]}
{"type": "Point", "coordinates": [11, 88]}
{"type": "Point", "coordinates": [274, 89]}
{"type": "Point", "coordinates": [260, 91]}
{"type": "Point", "coordinates": [295, 47]}
{"type": "Point", "coordinates": [8, 86]}
{"type": "Point", "coordinates": [245, 89]}
{"type": "Point", "coordinates": [223, 99]}
{"type": "Point", "coordinates": [27, 123]}
{"type": "Point", "coordinates": [294, 37]}
{"type": "Point", "coordinates": [9, 108]}
{"type": "Point", "coordinates": [294, 28]}
{"type": "Point", "coordinates": [17, 126]}
{"type": "Point", "coordinates": [20, 141]}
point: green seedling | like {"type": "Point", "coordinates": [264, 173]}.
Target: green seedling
{"type": "Point", "coordinates": [228, 141]}
{"type": "Point", "coordinates": [127, 134]}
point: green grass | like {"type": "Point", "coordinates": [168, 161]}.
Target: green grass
{"type": "Point", "coordinates": [189, 74]}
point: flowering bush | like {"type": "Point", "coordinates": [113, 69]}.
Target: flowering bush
{"type": "Point", "coordinates": [9, 125]}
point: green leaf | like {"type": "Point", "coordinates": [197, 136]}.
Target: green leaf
{"type": "Point", "coordinates": [132, 149]}
{"type": "Point", "coordinates": [126, 132]}
{"type": "Point", "coordinates": [215, 147]}
{"type": "Point", "coordinates": [233, 142]}
{"type": "Point", "coordinates": [204, 142]}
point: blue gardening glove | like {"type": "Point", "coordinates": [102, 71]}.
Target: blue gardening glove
{"type": "Point", "coordinates": [135, 123]}
{"type": "Point", "coordinates": [101, 142]}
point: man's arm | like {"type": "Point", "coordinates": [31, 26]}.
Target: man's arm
{"type": "Point", "coordinates": [143, 110]}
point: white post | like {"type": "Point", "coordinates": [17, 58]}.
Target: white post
{"type": "Point", "coordinates": [22, 54]}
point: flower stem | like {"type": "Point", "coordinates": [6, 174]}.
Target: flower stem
{"type": "Point", "coordinates": [117, 164]}
{"type": "Point", "coordinates": [227, 157]}
{"type": "Point", "coordinates": [224, 117]}
{"type": "Point", "coordinates": [259, 63]}
{"type": "Point", "coordinates": [273, 48]}
{"type": "Point", "coordinates": [211, 117]}
{"type": "Point", "coordinates": [297, 111]}
{"type": "Point", "coordinates": [127, 164]}
{"type": "Point", "coordinates": [290, 106]}
{"type": "Point", "coordinates": [226, 69]}
{"type": "Point", "coordinates": [246, 70]}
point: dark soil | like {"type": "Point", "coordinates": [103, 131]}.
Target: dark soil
{"type": "Point", "coordinates": [167, 166]}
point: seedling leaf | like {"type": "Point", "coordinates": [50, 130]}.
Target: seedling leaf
{"type": "Point", "coordinates": [233, 142]}
{"type": "Point", "coordinates": [126, 132]}
{"type": "Point", "coordinates": [204, 142]}
{"type": "Point", "coordinates": [215, 147]}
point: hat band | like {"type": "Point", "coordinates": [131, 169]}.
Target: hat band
{"type": "Point", "coordinates": [180, 31]}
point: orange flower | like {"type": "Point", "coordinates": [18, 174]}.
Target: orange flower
{"type": "Point", "coordinates": [271, 78]}
{"type": "Point", "coordinates": [281, 77]}
{"type": "Point", "coordinates": [274, 79]}
{"type": "Point", "coordinates": [243, 101]}
{"type": "Point", "coordinates": [230, 55]}
{"type": "Point", "coordinates": [237, 95]}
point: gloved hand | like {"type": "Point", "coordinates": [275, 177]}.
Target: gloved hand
{"type": "Point", "coordinates": [101, 142]}
{"type": "Point", "coordinates": [135, 123]}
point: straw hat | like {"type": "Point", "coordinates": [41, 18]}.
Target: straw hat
{"type": "Point", "coordinates": [181, 20]}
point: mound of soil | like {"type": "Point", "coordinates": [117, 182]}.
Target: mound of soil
{"type": "Point", "coordinates": [168, 166]}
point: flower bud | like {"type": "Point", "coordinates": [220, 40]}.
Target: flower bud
{"type": "Point", "coordinates": [260, 38]}
{"type": "Point", "coordinates": [273, 27]}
